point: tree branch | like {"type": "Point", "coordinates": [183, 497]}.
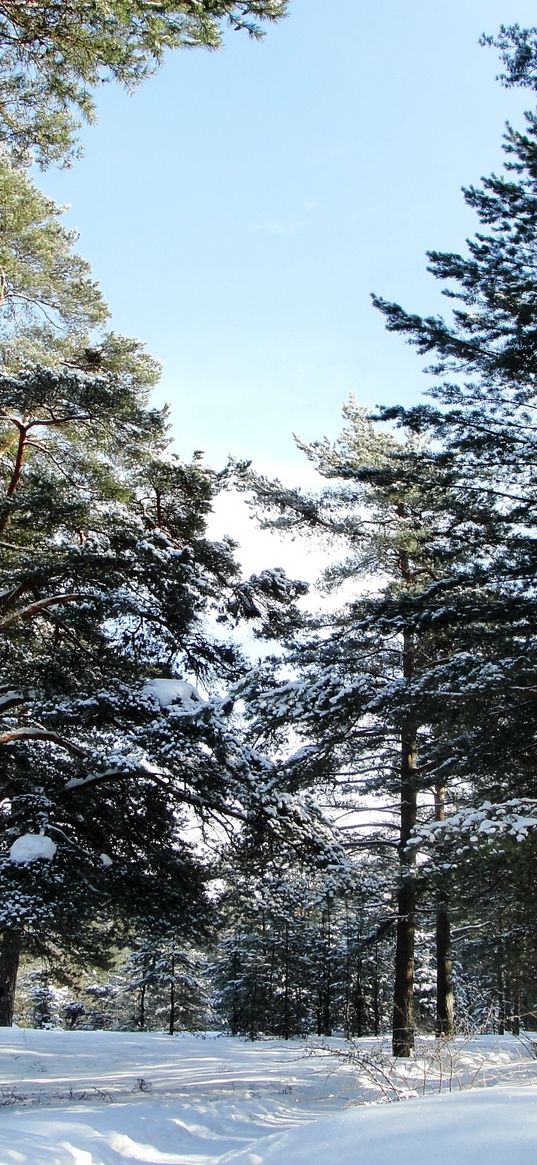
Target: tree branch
{"type": "Point", "coordinates": [41, 605]}
{"type": "Point", "coordinates": [38, 733]}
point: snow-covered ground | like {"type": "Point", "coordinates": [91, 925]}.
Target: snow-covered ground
{"type": "Point", "coordinates": [101, 1098]}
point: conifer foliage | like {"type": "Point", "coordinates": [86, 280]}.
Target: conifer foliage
{"type": "Point", "coordinates": [54, 53]}
{"type": "Point", "coordinates": [482, 425]}
{"type": "Point", "coordinates": [114, 603]}
{"type": "Point", "coordinates": [152, 783]}
{"type": "Point", "coordinates": [426, 685]}
{"type": "Point", "coordinates": [109, 587]}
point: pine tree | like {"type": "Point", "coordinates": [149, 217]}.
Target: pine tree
{"type": "Point", "coordinates": [480, 449]}
{"type": "Point", "coordinates": [281, 965]}
{"type": "Point", "coordinates": [168, 977]}
{"type": "Point", "coordinates": [357, 697]}
{"type": "Point", "coordinates": [47, 292]}
{"type": "Point", "coordinates": [54, 54]}
{"type": "Point", "coordinates": [518, 52]}
{"type": "Point", "coordinates": [109, 585]}
{"type": "Point", "coordinates": [482, 427]}
{"type": "Point", "coordinates": [41, 1001]}
{"type": "Point", "coordinates": [279, 891]}
{"type": "Point", "coordinates": [109, 582]}
{"type": "Point", "coordinates": [52, 312]}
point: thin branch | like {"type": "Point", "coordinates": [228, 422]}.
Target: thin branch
{"type": "Point", "coordinates": [181, 796]}
{"type": "Point", "coordinates": [43, 449]}
{"type": "Point", "coordinates": [38, 304]}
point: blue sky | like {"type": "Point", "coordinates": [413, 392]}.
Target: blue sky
{"type": "Point", "coordinates": [240, 207]}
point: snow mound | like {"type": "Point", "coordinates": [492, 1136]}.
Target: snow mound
{"type": "Point", "coordinates": [32, 847]}
{"type": "Point", "coordinates": [472, 1128]}
{"type": "Point", "coordinates": [168, 691]}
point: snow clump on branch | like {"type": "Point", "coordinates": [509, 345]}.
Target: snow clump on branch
{"type": "Point", "coordinates": [32, 847]}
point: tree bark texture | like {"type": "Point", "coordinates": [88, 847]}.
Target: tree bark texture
{"type": "Point", "coordinates": [403, 995]}
{"type": "Point", "coordinates": [444, 956]}
{"type": "Point", "coordinates": [10, 952]}
{"type": "Point", "coordinates": [171, 1025]}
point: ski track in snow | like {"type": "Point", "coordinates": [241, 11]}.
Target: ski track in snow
{"type": "Point", "coordinates": [105, 1098]}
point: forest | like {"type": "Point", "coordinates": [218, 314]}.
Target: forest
{"type": "Point", "coordinates": [339, 836]}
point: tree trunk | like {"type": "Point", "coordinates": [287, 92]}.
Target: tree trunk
{"type": "Point", "coordinates": [10, 952]}
{"type": "Point", "coordinates": [262, 996]}
{"type": "Point", "coordinates": [403, 995]}
{"type": "Point", "coordinates": [444, 973]}
{"type": "Point", "coordinates": [324, 1012]}
{"type": "Point", "coordinates": [376, 994]}
{"type": "Point", "coordinates": [270, 988]}
{"type": "Point", "coordinates": [172, 998]}
{"type": "Point", "coordinates": [358, 1005]}
{"type": "Point", "coordinates": [286, 1013]}
{"type": "Point", "coordinates": [515, 995]}
{"type": "Point", "coordinates": [348, 1029]}
{"type": "Point", "coordinates": [444, 958]}
{"type": "Point", "coordinates": [501, 991]}
{"type": "Point", "coordinates": [253, 1008]}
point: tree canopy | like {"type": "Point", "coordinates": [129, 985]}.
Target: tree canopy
{"type": "Point", "coordinates": [53, 54]}
{"type": "Point", "coordinates": [518, 53]}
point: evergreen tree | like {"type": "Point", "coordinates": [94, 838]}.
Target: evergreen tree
{"type": "Point", "coordinates": [486, 854]}
{"type": "Point", "coordinates": [294, 955]}
{"type": "Point", "coordinates": [466, 503]}
{"type": "Point", "coordinates": [357, 697]}
{"type": "Point", "coordinates": [42, 1002]}
{"type": "Point", "coordinates": [304, 950]}
{"type": "Point", "coordinates": [109, 582]}
{"type": "Point", "coordinates": [53, 53]}
{"type": "Point", "coordinates": [109, 586]}
{"type": "Point", "coordinates": [483, 448]}
{"type": "Point", "coordinates": [518, 52]}
{"type": "Point", "coordinates": [170, 983]}
{"type": "Point", "coordinates": [52, 312]}
{"type": "Point", "coordinates": [481, 452]}
{"type": "Point", "coordinates": [47, 290]}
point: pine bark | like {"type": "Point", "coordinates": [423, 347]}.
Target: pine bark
{"type": "Point", "coordinates": [324, 996]}
{"type": "Point", "coordinates": [10, 952]}
{"type": "Point", "coordinates": [286, 1011]}
{"type": "Point", "coordinates": [171, 1017]}
{"type": "Point", "coordinates": [515, 1018]}
{"type": "Point", "coordinates": [501, 992]}
{"type": "Point", "coordinates": [376, 995]}
{"type": "Point", "coordinates": [444, 956]}
{"type": "Point", "coordinates": [403, 995]}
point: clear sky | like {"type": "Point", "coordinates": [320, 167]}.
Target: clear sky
{"type": "Point", "coordinates": [240, 207]}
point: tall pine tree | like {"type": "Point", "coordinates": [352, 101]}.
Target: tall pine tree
{"type": "Point", "coordinates": [110, 588]}
{"type": "Point", "coordinates": [356, 696]}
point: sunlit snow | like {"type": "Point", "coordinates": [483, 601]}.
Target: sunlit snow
{"type": "Point", "coordinates": [106, 1098]}
{"type": "Point", "coordinates": [169, 691]}
{"type": "Point", "coordinates": [32, 847]}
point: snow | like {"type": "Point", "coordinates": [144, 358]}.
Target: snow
{"type": "Point", "coordinates": [468, 1129]}
{"type": "Point", "coordinates": [10, 697]}
{"type": "Point", "coordinates": [169, 691]}
{"type": "Point", "coordinates": [104, 1098]}
{"type": "Point", "coordinates": [486, 820]}
{"type": "Point", "coordinates": [32, 847]}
